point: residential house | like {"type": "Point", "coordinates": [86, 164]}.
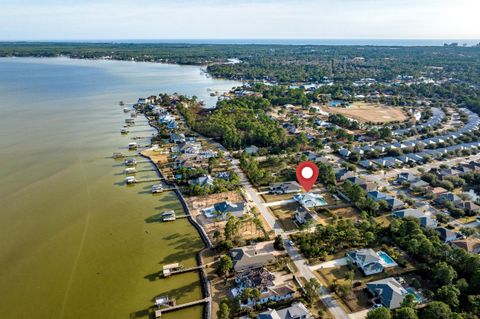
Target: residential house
{"type": "Point", "coordinates": [389, 291]}
{"type": "Point", "coordinates": [419, 185]}
{"type": "Point", "coordinates": [273, 294]}
{"type": "Point", "coordinates": [304, 217]}
{"type": "Point", "coordinates": [366, 164]}
{"type": "Point", "coordinates": [407, 177]}
{"type": "Point", "coordinates": [226, 208]}
{"type": "Point", "coordinates": [367, 260]}
{"type": "Point", "coordinates": [203, 181]}
{"type": "Point", "coordinates": [364, 184]}
{"type": "Point", "coordinates": [341, 174]}
{"type": "Point", "coordinates": [296, 311]}
{"type": "Point", "coordinates": [446, 235]}
{"type": "Point", "coordinates": [393, 203]}
{"type": "Point", "coordinates": [435, 191]}
{"type": "Point", "coordinates": [177, 138]}
{"type": "Point", "coordinates": [423, 219]}
{"type": "Point", "coordinates": [285, 188]}
{"type": "Point", "coordinates": [251, 150]}
{"type": "Point", "coordinates": [468, 206]}
{"type": "Point", "coordinates": [344, 152]}
{"type": "Point", "coordinates": [172, 125]}
{"type": "Point", "coordinates": [471, 245]}
{"type": "Point", "coordinates": [263, 280]}
{"type": "Point", "coordinates": [259, 278]}
{"type": "Point", "coordinates": [245, 258]}
{"type": "Point", "coordinates": [310, 200]}
{"type": "Point", "coordinates": [448, 197]}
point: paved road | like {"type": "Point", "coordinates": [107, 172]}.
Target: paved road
{"type": "Point", "coordinates": [301, 264]}
{"type": "Point", "coordinates": [325, 295]}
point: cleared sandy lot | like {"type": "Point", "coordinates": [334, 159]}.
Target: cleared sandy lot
{"type": "Point", "coordinates": [368, 112]}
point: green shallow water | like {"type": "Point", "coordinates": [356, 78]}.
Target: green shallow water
{"type": "Point", "coordinates": [75, 242]}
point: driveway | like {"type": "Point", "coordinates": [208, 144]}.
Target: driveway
{"type": "Point", "coordinates": [331, 264]}
{"type": "Point", "coordinates": [280, 202]}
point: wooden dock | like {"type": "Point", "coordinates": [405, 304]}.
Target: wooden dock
{"type": "Point", "coordinates": [181, 270]}
{"type": "Point", "coordinates": [149, 180]}
{"type": "Point", "coordinates": [159, 312]}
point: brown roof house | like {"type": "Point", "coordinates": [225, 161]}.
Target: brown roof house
{"type": "Point", "coordinates": [472, 245]}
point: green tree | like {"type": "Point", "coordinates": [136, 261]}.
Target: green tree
{"type": "Point", "coordinates": [449, 294]}
{"type": "Point", "coordinates": [310, 290]}
{"type": "Point", "coordinates": [405, 313]}
{"type": "Point", "coordinates": [278, 243]}
{"type": "Point", "coordinates": [225, 265]}
{"type": "Point", "coordinates": [224, 310]}
{"type": "Point", "coordinates": [408, 301]}
{"type": "Point", "coordinates": [379, 313]}
{"type": "Point", "coordinates": [444, 274]}
{"type": "Point", "coordinates": [436, 310]}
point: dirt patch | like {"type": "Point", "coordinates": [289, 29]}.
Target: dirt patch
{"type": "Point", "coordinates": [285, 215]}
{"type": "Point", "coordinates": [248, 228]}
{"type": "Point", "coordinates": [368, 112]}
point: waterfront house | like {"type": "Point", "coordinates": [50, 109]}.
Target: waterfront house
{"type": "Point", "coordinates": [203, 181]}
{"type": "Point", "coordinates": [177, 138]}
{"type": "Point", "coordinates": [296, 311]}
{"type": "Point", "coordinates": [285, 188]}
{"type": "Point", "coordinates": [245, 258]}
{"type": "Point", "coordinates": [251, 150]}
{"type": "Point", "coordinates": [278, 293]}
{"type": "Point", "coordinates": [172, 125]}
{"type": "Point", "coordinates": [259, 278]}
{"type": "Point", "coordinates": [191, 147]}
{"type": "Point", "coordinates": [225, 209]}
{"type": "Point", "coordinates": [388, 291]}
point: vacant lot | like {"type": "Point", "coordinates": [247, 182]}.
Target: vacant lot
{"type": "Point", "coordinates": [285, 215]}
{"type": "Point", "coordinates": [368, 112]}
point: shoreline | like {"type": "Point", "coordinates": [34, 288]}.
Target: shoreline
{"type": "Point", "coordinates": [206, 291]}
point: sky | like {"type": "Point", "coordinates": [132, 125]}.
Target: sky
{"type": "Point", "coordinates": [238, 19]}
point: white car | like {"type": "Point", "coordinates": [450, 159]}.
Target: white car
{"type": "Point", "coordinates": [290, 243]}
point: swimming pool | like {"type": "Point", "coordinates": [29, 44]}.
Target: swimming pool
{"type": "Point", "coordinates": [389, 262]}
{"type": "Point", "coordinates": [412, 291]}
{"type": "Point", "coordinates": [336, 103]}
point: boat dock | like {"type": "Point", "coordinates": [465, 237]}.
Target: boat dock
{"type": "Point", "coordinates": [159, 312]}
{"type": "Point", "coordinates": [174, 269]}
{"type": "Point", "coordinates": [149, 180]}
{"type": "Point", "coordinates": [121, 155]}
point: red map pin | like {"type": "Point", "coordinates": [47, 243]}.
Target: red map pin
{"type": "Point", "coordinates": [307, 173]}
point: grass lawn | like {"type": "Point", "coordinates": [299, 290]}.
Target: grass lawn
{"type": "Point", "coordinates": [384, 220]}
{"type": "Point", "coordinates": [284, 215]}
